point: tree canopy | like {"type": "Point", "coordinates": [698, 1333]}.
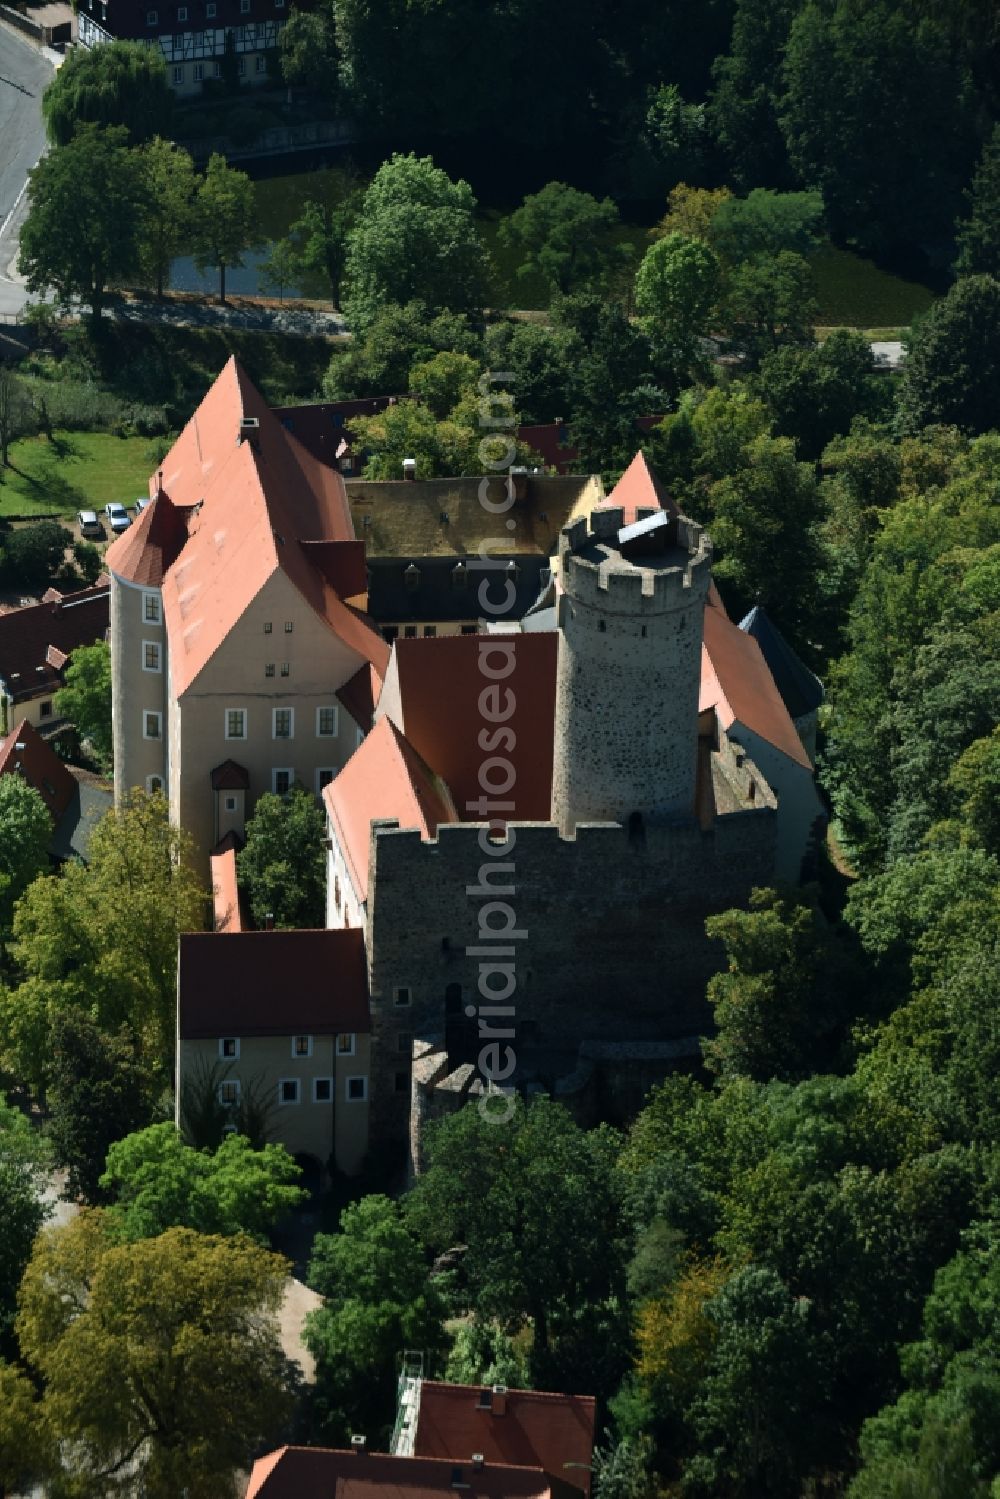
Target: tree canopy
{"type": "Point", "coordinates": [25, 833]}
{"type": "Point", "coordinates": [85, 697]}
{"type": "Point", "coordinates": [282, 865]}
{"type": "Point", "coordinates": [120, 83]}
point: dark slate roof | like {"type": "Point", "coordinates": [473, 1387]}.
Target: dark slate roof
{"type": "Point", "coordinates": [272, 983]}
{"type": "Point", "coordinates": [442, 594]}
{"type": "Point", "coordinates": [801, 691]}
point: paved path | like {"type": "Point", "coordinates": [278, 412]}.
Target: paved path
{"type": "Point", "coordinates": [24, 71]}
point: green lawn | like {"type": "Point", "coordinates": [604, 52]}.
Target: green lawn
{"type": "Point", "coordinates": [73, 471]}
{"type": "Point", "coordinates": [854, 293]}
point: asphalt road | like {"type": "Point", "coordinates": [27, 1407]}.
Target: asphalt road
{"type": "Point", "coordinates": [24, 72]}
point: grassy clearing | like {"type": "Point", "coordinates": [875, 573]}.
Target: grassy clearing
{"type": "Point", "coordinates": [855, 293]}
{"type": "Point", "coordinates": [73, 471]}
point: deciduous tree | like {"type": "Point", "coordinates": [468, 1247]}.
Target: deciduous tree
{"type": "Point", "coordinates": [25, 834]}
{"type": "Point", "coordinates": [87, 207]}
{"type": "Point", "coordinates": [282, 865]}
{"type": "Point", "coordinates": [225, 222]}
{"type": "Point", "coordinates": [169, 221]}
{"type": "Point", "coordinates": [120, 83]}
{"type": "Point", "coordinates": [978, 233]}
{"type": "Point", "coordinates": [566, 237]}
{"type": "Point", "coordinates": [23, 1157]}
{"type": "Point", "coordinates": [160, 1359]}
{"type": "Point", "coordinates": [85, 698]}
{"type": "Point", "coordinates": [952, 368]}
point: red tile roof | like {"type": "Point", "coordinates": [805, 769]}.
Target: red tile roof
{"type": "Point", "coordinates": [27, 635]}
{"type": "Point", "coordinates": [535, 1429]}
{"type": "Point", "coordinates": [360, 695]}
{"type": "Point", "coordinates": [639, 489]}
{"type": "Point", "coordinates": [321, 1473]}
{"type": "Point", "coordinates": [272, 983]}
{"type": "Point", "coordinates": [257, 500]}
{"type": "Point", "coordinates": [736, 683]}
{"type": "Point", "coordinates": [385, 777]}
{"type": "Point", "coordinates": [230, 777]}
{"type": "Point", "coordinates": [25, 753]}
{"type": "Point", "coordinates": [153, 542]}
{"type": "Point", "coordinates": [226, 913]}
{"type": "Point", "coordinates": [433, 692]}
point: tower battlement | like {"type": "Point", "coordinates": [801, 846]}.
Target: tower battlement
{"type": "Point", "coordinates": [656, 566]}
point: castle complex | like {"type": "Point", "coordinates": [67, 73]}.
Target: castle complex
{"type": "Point", "coordinates": [529, 824]}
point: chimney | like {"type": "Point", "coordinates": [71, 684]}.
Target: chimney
{"type": "Point", "coordinates": [249, 427]}
{"type": "Point", "coordinates": [269, 927]}
{"type": "Point", "coordinates": [409, 468]}
{"type": "Point", "coordinates": [478, 1462]}
{"type": "Point", "coordinates": [358, 1444]}
{"type": "Point", "coordinates": [159, 482]}
{"type": "Point", "coordinates": [518, 484]}
{"type": "Point", "coordinates": [499, 1399]}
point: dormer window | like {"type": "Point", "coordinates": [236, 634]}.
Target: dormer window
{"type": "Point", "coordinates": [459, 575]}
{"type": "Point", "coordinates": [411, 576]}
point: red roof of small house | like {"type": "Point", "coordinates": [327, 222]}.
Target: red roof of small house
{"type": "Point", "coordinates": [257, 501]}
{"type": "Point", "coordinates": [433, 691]}
{"type": "Point", "coordinates": [737, 684]}
{"type": "Point", "coordinates": [226, 913]}
{"type": "Point", "coordinates": [27, 635]}
{"type": "Point", "coordinates": [25, 753]}
{"type": "Point", "coordinates": [153, 542]}
{"type": "Point", "coordinates": [321, 1473]}
{"type": "Point", "coordinates": [384, 778]}
{"type": "Point", "coordinates": [272, 983]}
{"type": "Point", "coordinates": [527, 1428]}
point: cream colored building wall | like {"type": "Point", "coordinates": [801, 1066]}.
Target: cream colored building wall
{"type": "Point", "coordinates": [30, 710]}
{"type": "Point", "coordinates": [136, 691]}
{"type": "Point", "coordinates": [338, 1129]}
{"type": "Point", "coordinates": [319, 663]}
{"type": "Point", "coordinates": [343, 909]}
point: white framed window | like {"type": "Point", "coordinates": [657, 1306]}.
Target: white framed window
{"type": "Point", "coordinates": [323, 778]}
{"type": "Point", "coordinates": [152, 17]}
{"type": "Point", "coordinates": [282, 723]}
{"type": "Point", "coordinates": [152, 725]}
{"type": "Point", "coordinates": [281, 780]}
{"type": "Point", "coordinates": [289, 1091]}
{"type": "Point", "coordinates": [430, 631]}
{"type": "Point", "coordinates": [178, 75]}
{"type": "Point", "coordinates": [269, 669]}
{"type": "Point", "coordinates": [356, 1090]}
{"type": "Point", "coordinates": [154, 784]}
{"type": "Point", "coordinates": [268, 627]}
{"type": "Point", "coordinates": [236, 723]}
{"type": "Point", "coordinates": [151, 658]}
{"type": "Point", "coordinates": [286, 670]}
{"type": "Point", "coordinates": [289, 626]}
{"type": "Point", "coordinates": [182, 13]}
{"type": "Point", "coordinates": [229, 1091]}
{"type": "Point", "coordinates": [327, 722]}
{"type": "Point", "coordinates": [322, 1090]}
{"type": "Point", "coordinates": [199, 72]}
{"type": "Point", "coordinates": [241, 66]}
{"type": "Point", "coordinates": [345, 1044]}
{"type": "Point", "coordinates": [229, 1047]}
{"type": "Point", "coordinates": [230, 804]}
{"type": "Point", "coordinates": [302, 1046]}
{"type": "Point", "coordinates": [151, 611]}
{"type": "Point", "coordinates": [244, 7]}
{"type": "Point", "coordinates": [401, 997]}
{"type": "Point", "coordinates": [217, 66]}
{"type": "Point", "coordinates": [260, 64]}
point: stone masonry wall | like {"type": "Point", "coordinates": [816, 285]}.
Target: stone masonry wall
{"type": "Point", "coordinates": [610, 940]}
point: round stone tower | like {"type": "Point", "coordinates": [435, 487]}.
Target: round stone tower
{"type": "Point", "coordinates": [629, 672]}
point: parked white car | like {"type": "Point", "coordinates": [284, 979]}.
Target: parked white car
{"type": "Point", "coordinates": [118, 516]}
{"type": "Point", "coordinates": [88, 523]}
{"type": "Point", "coordinates": [141, 504]}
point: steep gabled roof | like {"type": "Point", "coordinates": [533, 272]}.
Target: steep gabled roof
{"type": "Point", "coordinates": [736, 683]}
{"type": "Point", "coordinates": [526, 1428]}
{"type": "Point", "coordinates": [25, 753]}
{"type": "Point", "coordinates": [433, 689]}
{"type": "Point", "coordinates": [271, 984]}
{"type": "Point", "coordinates": [801, 691]}
{"type": "Point", "coordinates": [384, 778]}
{"type": "Point", "coordinates": [360, 695]}
{"type": "Point", "coordinates": [256, 500]}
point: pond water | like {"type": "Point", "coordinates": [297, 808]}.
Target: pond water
{"type": "Point", "coordinates": [241, 281]}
